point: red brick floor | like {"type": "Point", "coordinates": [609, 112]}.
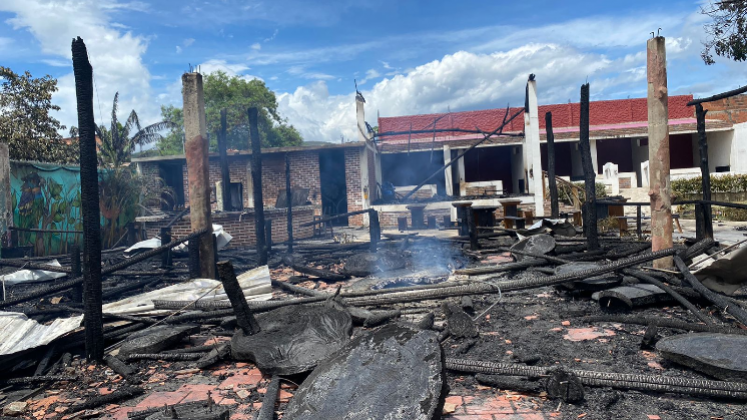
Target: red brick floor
{"type": "Point", "coordinates": [495, 407]}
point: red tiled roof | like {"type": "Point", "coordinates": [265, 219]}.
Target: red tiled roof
{"type": "Point", "coordinates": [604, 115]}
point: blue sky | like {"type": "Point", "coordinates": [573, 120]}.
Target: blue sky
{"type": "Point", "coordinates": [408, 56]}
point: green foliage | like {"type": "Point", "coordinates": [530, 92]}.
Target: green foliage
{"type": "Point", "coordinates": [25, 121]}
{"type": "Point", "coordinates": [576, 194]}
{"type": "Point", "coordinates": [235, 95]}
{"type": "Point", "coordinates": [727, 32]}
{"type": "Point", "coordinates": [732, 183]}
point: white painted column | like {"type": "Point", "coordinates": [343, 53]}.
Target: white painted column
{"type": "Point", "coordinates": [527, 154]}
{"type": "Point", "coordinates": [447, 172]}
{"type": "Point", "coordinates": [533, 148]}
{"type": "Point", "coordinates": [593, 148]}
{"type": "Point", "coordinates": [461, 176]}
{"type": "Point", "coordinates": [738, 157]}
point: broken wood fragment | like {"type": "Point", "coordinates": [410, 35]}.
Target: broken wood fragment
{"type": "Point", "coordinates": [316, 272]}
{"type": "Point", "coordinates": [459, 324]}
{"type": "Point", "coordinates": [513, 383]}
{"type": "Point", "coordinates": [176, 357]}
{"type": "Point", "coordinates": [119, 366]}
{"type": "Point", "coordinates": [267, 412]}
{"type": "Point", "coordinates": [214, 356]}
{"type": "Point", "coordinates": [121, 394]}
{"type": "Point", "coordinates": [244, 317]}
{"type": "Point", "coordinates": [563, 384]}
{"type": "Point", "coordinates": [155, 339]}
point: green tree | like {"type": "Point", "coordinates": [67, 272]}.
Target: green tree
{"type": "Point", "coordinates": [25, 121]}
{"type": "Point", "coordinates": [118, 143]}
{"type": "Point", "coordinates": [727, 32]}
{"type": "Point", "coordinates": [235, 95]}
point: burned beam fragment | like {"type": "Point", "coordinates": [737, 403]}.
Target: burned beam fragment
{"type": "Point", "coordinates": [316, 272]}
{"type": "Point", "coordinates": [676, 296]}
{"type": "Point", "coordinates": [514, 383]}
{"type": "Point", "coordinates": [122, 394]}
{"type": "Point", "coordinates": [460, 325]}
{"type": "Point", "coordinates": [155, 339]}
{"type": "Point", "coordinates": [176, 357]}
{"type": "Point", "coordinates": [267, 412]}
{"type": "Point", "coordinates": [734, 310]}
{"type": "Point", "coordinates": [256, 168]}
{"type": "Point", "coordinates": [589, 206]}
{"type": "Point", "coordinates": [215, 355]}
{"type": "Point", "coordinates": [399, 374]}
{"type": "Point", "coordinates": [119, 367]}
{"type": "Point", "coordinates": [244, 317]}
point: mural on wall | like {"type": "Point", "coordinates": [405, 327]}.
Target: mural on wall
{"type": "Point", "coordinates": [47, 196]}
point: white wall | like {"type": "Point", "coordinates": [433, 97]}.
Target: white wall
{"type": "Point", "coordinates": [719, 149]}
{"type": "Point", "coordinates": [640, 155]}
{"type": "Point", "coordinates": [517, 168]}
{"type": "Point", "coordinates": [739, 149]}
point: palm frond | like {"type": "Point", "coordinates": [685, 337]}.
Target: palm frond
{"type": "Point", "coordinates": [152, 133]}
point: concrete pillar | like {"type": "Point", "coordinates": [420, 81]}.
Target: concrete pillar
{"type": "Point", "coordinates": [447, 172]}
{"type": "Point", "coordinates": [533, 145]}
{"type": "Point", "coordinates": [360, 117]}
{"type": "Point", "coordinates": [738, 156]}
{"type": "Point", "coordinates": [6, 205]}
{"type": "Point", "coordinates": [198, 165]}
{"type": "Point", "coordinates": [461, 177]}
{"type": "Point", "coordinates": [658, 149]}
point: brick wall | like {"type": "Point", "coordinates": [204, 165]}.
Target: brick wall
{"type": "Point", "coordinates": [733, 109]}
{"type": "Point", "coordinates": [353, 182]}
{"type": "Point", "coordinates": [388, 219]}
{"type": "Point", "coordinates": [241, 225]}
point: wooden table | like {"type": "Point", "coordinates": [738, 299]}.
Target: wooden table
{"type": "Point", "coordinates": [485, 215]}
{"type": "Point", "coordinates": [462, 209]}
{"type": "Point", "coordinates": [416, 214]}
{"type": "Point", "coordinates": [510, 209]}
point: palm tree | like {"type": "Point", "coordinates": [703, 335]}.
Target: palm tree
{"type": "Point", "coordinates": [117, 144]}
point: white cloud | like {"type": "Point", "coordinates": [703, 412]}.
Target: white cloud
{"type": "Point", "coordinates": [370, 74]}
{"type": "Point", "coordinates": [272, 37]}
{"type": "Point", "coordinates": [116, 56]}
{"type": "Point", "coordinates": [189, 41]}
{"type": "Point", "coordinates": [178, 49]}
{"type": "Point", "coordinates": [458, 81]}
{"type": "Point", "coordinates": [256, 46]}
{"type": "Point", "coordinates": [58, 62]}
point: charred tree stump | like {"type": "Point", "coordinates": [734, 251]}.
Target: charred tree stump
{"type": "Point", "coordinates": [256, 168]}
{"type": "Point", "coordinates": [589, 206]}
{"type": "Point", "coordinates": [554, 207]}
{"type": "Point", "coordinates": [289, 200]}
{"type": "Point", "coordinates": [75, 272]}
{"type": "Point", "coordinates": [166, 239]}
{"type": "Point", "coordinates": [89, 188]}
{"type": "Point", "coordinates": [244, 317]}
{"type": "Point", "coordinates": [194, 259]}
{"type": "Point", "coordinates": [225, 175]}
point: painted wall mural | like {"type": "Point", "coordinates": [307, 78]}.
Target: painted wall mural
{"type": "Point", "coordinates": [46, 196]}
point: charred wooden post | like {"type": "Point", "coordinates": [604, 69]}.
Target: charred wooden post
{"type": "Point", "coordinates": [195, 270]}
{"type": "Point", "coordinates": [374, 229]}
{"type": "Point", "coordinates": [700, 229]}
{"type": "Point", "coordinates": [658, 148]}
{"type": "Point", "coordinates": [472, 229]}
{"type": "Point", "coordinates": [589, 206]}
{"type": "Point", "coordinates": [638, 217]}
{"type": "Point", "coordinates": [75, 272]}
{"type": "Point", "coordinates": [225, 175]}
{"type": "Point", "coordinates": [131, 234]}
{"type": "Point", "coordinates": [289, 200]}
{"type": "Point", "coordinates": [244, 318]}
{"type": "Point", "coordinates": [166, 239]}
{"type": "Point", "coordinates": [259, 211]}
{"type": "Point", "coordinates": [267, 412]}
{"type": "Point", "coordinates": [705, 173]}
{"type": "Point", "coordinates": [196, 150]}
{"type": "Point", "coordinates": [268, 236]}
{"type": "Point", "coordinates": [554, 208]}
{"type": "Point", "coordinates": [89, 188]}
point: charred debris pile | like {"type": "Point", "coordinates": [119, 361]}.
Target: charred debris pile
{"type": "Point", "coordinates": [395, 330]}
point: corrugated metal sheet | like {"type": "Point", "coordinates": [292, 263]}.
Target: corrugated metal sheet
{"type": "Point", "coordinates": [18, 333]}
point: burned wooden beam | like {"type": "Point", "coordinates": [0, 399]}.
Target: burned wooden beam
{"type": "Point", "coordinates": [317, 272]}
{"type": "Point", "coordinates": [589, 206]}
{"type": "Point", "coordinates": [267, 412]}
{"type": "Point", "coordinates": [121, 394]}
{"type": "Point", "coordinates": [244, 317]}
{"type": "Point", "coordinates": [166, 256]}
{"type": "Point", "coordinates": [177, 357]}
{"type": "Point", "coordinates": [120, 367]}
{"type": "Point", "coordinates": [716, 97]}
{"type": "Point", "coordinates": [705, 172]}
{"type": "Point", "coordinates": [89, 188]}
{"type": "Point", "coordinates": [256, 168]}
{"type": "Point", "coordinates": [554, 208]}
{"type": "Point", "coordinates": [75, 272]}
